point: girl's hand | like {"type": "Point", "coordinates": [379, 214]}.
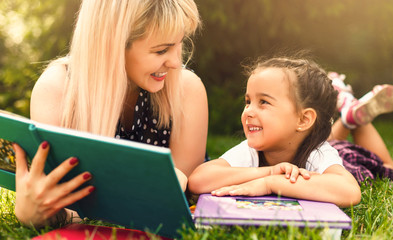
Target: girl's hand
{"type": "Point", "coordinates": [257, 187]}
{"type": "Point", "coordinates": [39, 197]}
{"type": "Point", "coordinates": [291, 171]}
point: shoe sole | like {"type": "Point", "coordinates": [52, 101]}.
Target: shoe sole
{"type": "Point", "coordinates": [380, 103]}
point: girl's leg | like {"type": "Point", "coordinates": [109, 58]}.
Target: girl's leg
{"type": "Point", "coordinates": [368, 137]}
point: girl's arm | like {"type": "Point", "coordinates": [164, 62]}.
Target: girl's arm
{"type": "Point", "coordinates": [219, 173]}
{"type": "Point", "coordinates": [335, 185]}
{"type": "Point", "coordinates": [189, 149]}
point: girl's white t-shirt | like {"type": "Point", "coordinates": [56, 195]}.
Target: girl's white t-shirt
{"type": "Point", "coordinates": [319, 160]}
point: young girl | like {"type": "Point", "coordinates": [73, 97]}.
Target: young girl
{"type": "Point", "coordinates": [289, 105]}
{"type": "Point", "coordinates": [122, 78]}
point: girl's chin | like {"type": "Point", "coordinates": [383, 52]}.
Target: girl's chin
{"type": "Point", "coordinates": [253, 144]}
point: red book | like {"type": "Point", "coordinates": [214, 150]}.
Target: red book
{"type": "Point", "coordinates": [83, 231]}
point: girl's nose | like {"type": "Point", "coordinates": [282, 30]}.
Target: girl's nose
{"type": "Point", "coordinates": [248, 111]}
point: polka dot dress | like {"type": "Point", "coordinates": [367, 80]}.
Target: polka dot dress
{"type": "Point", "coordinates": [144, 128]}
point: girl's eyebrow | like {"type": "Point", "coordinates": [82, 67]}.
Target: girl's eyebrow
{"type": "Point", "coordinates": [265, 95]}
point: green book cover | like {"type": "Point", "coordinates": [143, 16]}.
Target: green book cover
{"type": "Point", "coordinates": [136, 184]}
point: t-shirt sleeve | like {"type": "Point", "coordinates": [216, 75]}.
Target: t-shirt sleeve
{"type": "Point", "coordinates": [241, 155]}
{"type": "Point", "coordinates": [322, 158]}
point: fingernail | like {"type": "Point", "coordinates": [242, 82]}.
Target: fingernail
{"type": "Point", "coordinates": [86, 176]}
{"type": "Point", "coordinates": [92, 189]}
{"type": "Point", "coordinates": [74, 161]}
{"type": "Point", "coordinates": [45, 145]}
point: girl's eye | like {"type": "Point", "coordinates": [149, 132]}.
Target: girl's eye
{"type": "Point", "coordinates": [263, 102]}
{"type": "Point", "coordinates": [162, 51]}
{"type": "Point", "coordinates": [247, 101]}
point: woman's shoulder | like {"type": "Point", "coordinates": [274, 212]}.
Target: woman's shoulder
{"type": "Point", "coordinates": [192, 83]}
{"type": "Point", "coordinates": [47, 94]}
{"type": "Point", "coordinates": [53, 77]}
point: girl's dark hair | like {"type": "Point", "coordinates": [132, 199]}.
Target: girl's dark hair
{"type": "Point", "coordinates": [311, 89]}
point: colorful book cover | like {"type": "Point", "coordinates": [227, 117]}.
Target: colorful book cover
{"type": "Point", "coordinates": [268, 210]}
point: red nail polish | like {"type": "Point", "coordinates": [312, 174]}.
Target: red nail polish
{"type": "Point", "coordinates": [73, 161]}
{"type": "Point", "coordinates": [92, 189]}
{"type": "Point", "coordinates": [86, 176]}
{"type": "Point", "coordinates": [45, 145]}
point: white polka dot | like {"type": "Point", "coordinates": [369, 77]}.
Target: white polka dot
{"type": "Point", "coordinates": [143, 103]}
{"type": "Point", "coordinates": [155, 142]}
{"type": "Point", "coordinates": [144, 126]}
{"type": "Point", "coordinates": [136, 108]}
{"type": "Point", "coordinates": [122, 129]}
{"type": "Point", "coordinates": [133, 127]}
{"type": "Point", "coordinates": [145, 99]}
{"type": "Point", "coordinates": [148, 140]}
{"type": "Point", "coordinates": [163, 141]}
{"type": "Point", "coordinates": [138, 122]}
{"type": "Point", "coordinates": [132, 137]}
{"type": "Point", "coordinates": [141, 137]}
{"type": "Point", "coordinates": [117, 136]}
{"type": "Point", "coordinates": [155, 121]}
{"type": "Point", "coordinates": [140, 94]}
{"type": "Point", "coordinates": [146, 119]}
{"type": "Point", "coordinates": [165, 132]}
{"type": "Point", "coordinates": [151, 130]}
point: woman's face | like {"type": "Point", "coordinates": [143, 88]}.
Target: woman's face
{"type": "Point", "coordinates": [149, 60]}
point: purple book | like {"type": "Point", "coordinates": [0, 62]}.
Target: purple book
{"type": "Point", "coordinates": [268, 210]}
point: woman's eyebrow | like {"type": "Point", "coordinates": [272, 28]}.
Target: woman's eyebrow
{"type": "Point", "coordinates": [167, 44]}
{"type": "Point", "coordinates": [164, 45]}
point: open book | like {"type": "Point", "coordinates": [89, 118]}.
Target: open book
{"type": "Point", "coordinates": [136, 184]}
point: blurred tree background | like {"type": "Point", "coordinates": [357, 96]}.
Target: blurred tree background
{"type": "Point", "coordinates": [354, 37]}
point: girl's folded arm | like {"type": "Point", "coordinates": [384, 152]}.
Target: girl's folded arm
{"type": "Point", "coordinates": [335, 185]}
{"type": "Point", "coordinates": [219, 173]}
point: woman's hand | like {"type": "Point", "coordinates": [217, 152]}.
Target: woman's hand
{"type": "Point", "coordinates": [291, 171]}
{"type": "Point", "coordinates": [257, 187]}
{"type": "Point", "coordinates": [39, 197]}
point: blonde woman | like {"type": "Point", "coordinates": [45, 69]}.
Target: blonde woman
{"type": "Point", "coordinates": [122, 78]}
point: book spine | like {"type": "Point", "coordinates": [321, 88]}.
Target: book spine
{"type": "Point", "coordinates": [34, 134]}
{"type": "Point", "coordinates": [38, 140]}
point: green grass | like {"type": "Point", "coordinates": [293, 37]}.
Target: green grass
{"type": "Point", "coordinates": [372, 218]}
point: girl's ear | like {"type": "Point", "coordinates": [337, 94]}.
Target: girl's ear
{"type": "Point", "coordinates": [306, 119]}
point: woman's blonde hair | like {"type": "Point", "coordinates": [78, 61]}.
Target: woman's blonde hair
{"type": "Point", "coordinates": [97, 83]}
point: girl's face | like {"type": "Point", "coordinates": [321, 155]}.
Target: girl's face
{"type": "Point", "coordinates": [269, 118]}
{"type": "Point", "coordinates": [149, 60]}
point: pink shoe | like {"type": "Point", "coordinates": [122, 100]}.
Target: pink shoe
{"type": "Point", "coordinates": [338, 82]}
{"type": "Point", "coordinates": [345, 95]}
{"type": "Point", "coordinates": [374, 103]}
